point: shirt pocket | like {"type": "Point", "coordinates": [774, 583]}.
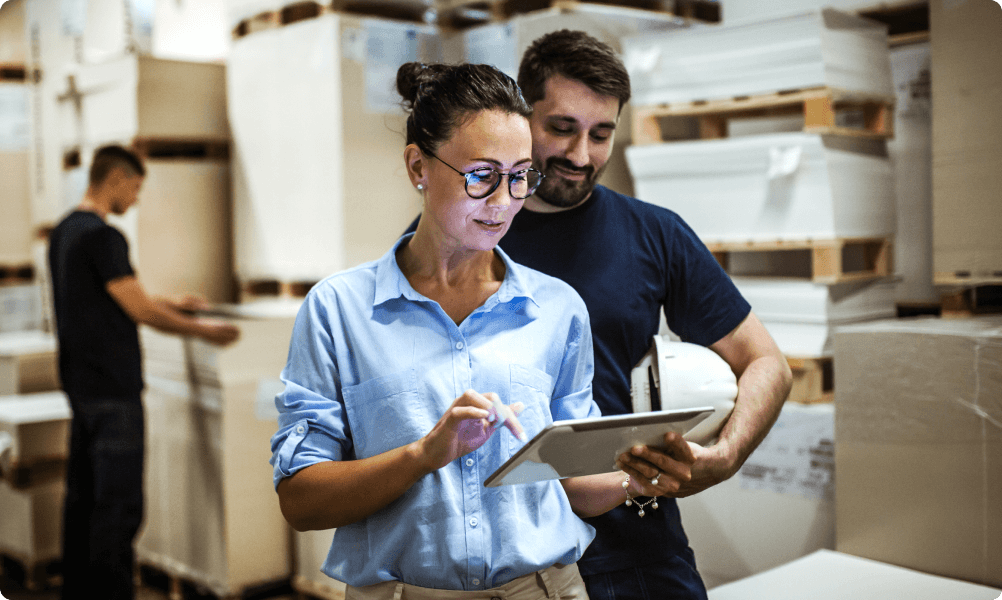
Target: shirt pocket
{"type": "Point", "coordinates": [533, 388]}
{"type": "Point", "coordinates": [385, 413]}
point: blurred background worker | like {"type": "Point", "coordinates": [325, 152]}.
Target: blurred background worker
{"type": "Point", "coordinates": [98, 304]}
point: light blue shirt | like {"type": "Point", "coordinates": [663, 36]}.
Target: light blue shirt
{"type": "Point", "coordinates": [373, 365]}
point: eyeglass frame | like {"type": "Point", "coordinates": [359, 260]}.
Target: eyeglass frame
{"type": "Point", "coordinates": [497, 183]}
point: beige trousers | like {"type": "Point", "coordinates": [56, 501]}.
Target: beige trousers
{"type": "Point", "coordinates": [558, 582]}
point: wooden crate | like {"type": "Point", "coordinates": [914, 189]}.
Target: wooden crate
{"type": "Point", "coordinates": [813, 380]}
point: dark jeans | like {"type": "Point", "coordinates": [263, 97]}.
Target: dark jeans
{"type": "Point", "coordinates": [675, 579]}
{"type": "Point", "coordinates": [104, 498]}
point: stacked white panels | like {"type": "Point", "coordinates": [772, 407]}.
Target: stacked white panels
{"type": "Point", "coordinates": [818, 48]}
{"type": "Point", "coordinates": [787, 186]}
{"type": "Point", "coordinates": [502, 45]}
{"type": "Point", "coordinates": [802, 316]}
{"type": "Point", "coordinates": [319, 180]}
{"type": "Point", "coordinates": [15, 140]}
{"type": "Point", "coordinates": [211, 414]}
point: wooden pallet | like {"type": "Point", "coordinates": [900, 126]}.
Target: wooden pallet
{"type": "Point", "coordinates": [32, 574]}
{"type": "Point", "coordinates": [813, 380]}
{"type": "Point", "coordinates": [12, 73]}
{"type": "Point", "coordinates": [819, 107]}
{"type": "Point", "coordinates": [398, 10]}
{"type": "Point", "coordinates": [16, 274]}
{"type": "Point", "coordinates": [257, 289]}
{"type": "Point", "coordinates": [179, 587]}
{"type": "Point", "coordinates": [830, 259]}
{"type": "Point", "coordinates": [977, 300]}
{"type": "Point", "coordinates": [187, 148]}
{"type": "Point", "coordinates": [307, 589]}
{"type": "Point", "coordinates": [907, 22]}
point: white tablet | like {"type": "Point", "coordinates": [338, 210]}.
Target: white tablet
{"type": "Point", "coordinates": [590, 446]}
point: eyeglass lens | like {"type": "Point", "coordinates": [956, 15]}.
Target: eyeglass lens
{"type": "Point", "coordinates": [521, 184]}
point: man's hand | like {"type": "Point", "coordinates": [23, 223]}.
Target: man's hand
{"type": "Point", "coordinates": [659, 471]}
{"type": "Point", "coordinates": [218, 332]}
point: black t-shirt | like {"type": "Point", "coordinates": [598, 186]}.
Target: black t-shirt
{"type": "Point", "coordinates": [99, 355]}
{"type": "Point", "coordinates": [629, 260]}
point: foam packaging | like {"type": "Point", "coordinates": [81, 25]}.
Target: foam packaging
{"type": "Point", "coordinates": [827, 575]}
{"type": "Point", "coordinates": [802, 316]}
{"type": "Point", "coordinates": [808, 50]}
{"type": "Point", "coordinates": [918, 452]}
{"type": "Point", "coordinates": [782, 186]}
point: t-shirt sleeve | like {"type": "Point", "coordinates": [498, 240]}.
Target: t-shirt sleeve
{"type": "Point", "coordinates": [110, 254]}
{"type": "Point", "coordinates": [703, 305]}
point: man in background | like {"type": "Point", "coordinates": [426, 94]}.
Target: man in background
{"type": "Point", "coordinates": [98, 304]}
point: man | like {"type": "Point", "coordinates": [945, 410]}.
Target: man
{"type": "Point", "coordinates": [629, 260]}
{"type": "Point", "coordinates": [98, 303]}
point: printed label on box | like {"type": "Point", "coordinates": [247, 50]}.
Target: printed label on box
{"type": "Point", "coordinates": [797, 457]}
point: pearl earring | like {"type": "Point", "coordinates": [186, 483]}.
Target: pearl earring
{"type": "Point", "coordinates": [420, 186]}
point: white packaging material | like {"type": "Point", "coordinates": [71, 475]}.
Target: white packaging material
{"type": "Point", "coordinates": [36, 428]}
{"type": "Point", "coordinates": [31, 522]}
{"type": "Point", "coordinates": [809, 50]}
{"type": "Point", "coordinates": [28, 362]}
{"type": "Point", "coordinates": [827, 575]}
{"type": "Point", "coordinates": [191, 30]}
{"type": "Point", "coordinates": [319, 179]}
{"type": "Point", "coordinates": [788, 186]}
{"type": "Point", "coordinates": [802, 316]}
{"type": "Point", "coordinates": [311, 548]}
{"type": "Point", "coordinates": [21, 308]}
{"type": "Point", "coordinates": [910, 154]}
{"type": "Point", "coordinates": [778, 507]}
{"type": "Point", "coordinates": [152, 98]}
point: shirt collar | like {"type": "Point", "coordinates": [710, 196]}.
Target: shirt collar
{"type": "Point", "coordinates": [391, 283]}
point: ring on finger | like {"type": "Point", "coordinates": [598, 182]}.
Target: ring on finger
{"type": "Point", "coordinates": [656, 477]}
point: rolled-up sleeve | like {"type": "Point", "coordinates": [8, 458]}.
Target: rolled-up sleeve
{"type": "Point", "coordinates": [572, 393]}
{"type": "Point", "coordinates": [312, 422]}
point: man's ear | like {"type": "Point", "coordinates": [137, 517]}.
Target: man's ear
{"type": "Point", "coordinates": [417, 166]}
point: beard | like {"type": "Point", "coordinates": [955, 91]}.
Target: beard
{"type": "Point", "coordinates": [559, 192]}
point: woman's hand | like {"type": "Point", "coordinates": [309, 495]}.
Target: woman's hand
{"type": "Point", "coordinates": [467, 425]}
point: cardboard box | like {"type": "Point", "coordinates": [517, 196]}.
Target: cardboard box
{"type": "Point", "coordinates": [28, 362]}
{"type": "Point", "coordinates": [802, 316]}
{"type": "Point", "coordinates": [827, 575]}
{"type": "Point", "coordinates": [31, 522]}
{"type": "Point", "coordinates": [783, 186]}
{"type": "Point", "coordinates": [812, 49]}
{"type": "Point", "coordinates": [918, 453]}
{"type": "Point", "coordinates": [210, 416]}
{"type": "Point", "coordinates": [967, 140]}
{"type": "Point", "coordinates": [320, 184]}
{"type": "Point", "coordinates": [779, 507]}
{"type": "Point", "coordinates": [36, 428]}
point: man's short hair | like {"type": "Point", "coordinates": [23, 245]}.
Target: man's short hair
{"type": "Point", "coordinates": [111, 157]}
{"type": "Point", "coordinates": [577, 56]}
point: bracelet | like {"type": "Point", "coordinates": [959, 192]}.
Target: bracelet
{"type": "Point", "coordinates": [629, 499]}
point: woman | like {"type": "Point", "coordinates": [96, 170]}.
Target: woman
{"type": "Point", "coordinates": [387, 420]}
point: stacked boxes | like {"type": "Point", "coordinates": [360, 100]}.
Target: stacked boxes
{"type": "Point", "coordinates": [34, 440]}
{"type": "Point", "coordinates": [799, 218]}
{"type": "Point", "coordinates": [210, 414]}
{"type": "Point", "coordinates": [28, 362]}
{"type": "Point", "coordinates": [918, 454]}
{"type": "Point", "coordinates": [319, 178]}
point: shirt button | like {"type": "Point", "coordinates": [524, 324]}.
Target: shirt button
{"type": "Point", "coordinates": [473, 522]}
{"type": "Point", "coordinates": [469, 462]}
{"type": "Point", "coordinates": [300, 429]}
{"type": "Point", "coordinates": [476, 582]}
{"type": "Point", "coordinates": [459, 345]}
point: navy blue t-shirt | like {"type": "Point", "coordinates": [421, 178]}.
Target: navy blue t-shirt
{"type": "Point", "coordinates": [99, 355]}
{"type": "Point", "coordinates": [629, 260]}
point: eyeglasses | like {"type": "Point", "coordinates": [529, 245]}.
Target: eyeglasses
{"type": "Point", "coordinates": [482, 181]}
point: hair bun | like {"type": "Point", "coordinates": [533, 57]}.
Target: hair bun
{"type": "Point", "coordinates": [410, 76]}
